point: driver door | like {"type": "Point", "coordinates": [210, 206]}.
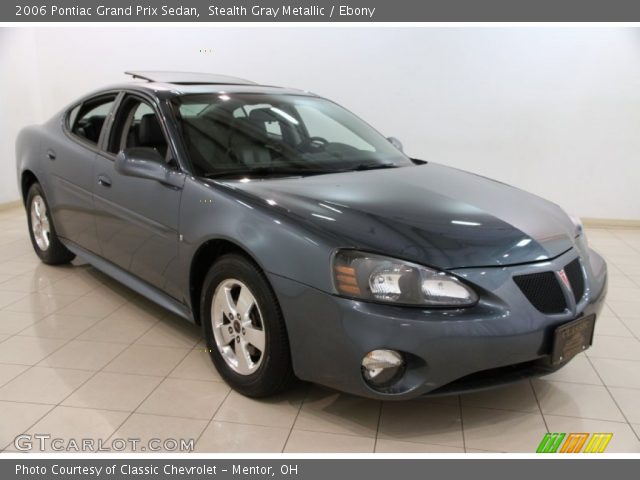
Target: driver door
{"type": "Point", "coordinates": [137, 218]}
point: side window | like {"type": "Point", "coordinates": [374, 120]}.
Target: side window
{"type": "Point", "coordinates": [193, 110]}
{"type": "Point", "coordinates": [88, 119]}
{"type": "Point", "coordinates": [137, 125]}
{"type": "Point", "coordinates": [273, 129]}
{"type": "Point", "coordinates": [270, 120]}
{"type": "Point", "coordinates": [142, 110]}
{"type": "Point", "coordinates": [72, 115]}
{"type": "Point", "coordinates": [320, 125]}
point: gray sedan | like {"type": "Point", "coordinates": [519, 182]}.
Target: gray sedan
{"type": "Point", "coordinates": [305, 243]}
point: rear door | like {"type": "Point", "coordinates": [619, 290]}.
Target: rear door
{"type": "Point", "coordinates": [137, 218]}
{"type": "Point", "coordinates": [70, 162]}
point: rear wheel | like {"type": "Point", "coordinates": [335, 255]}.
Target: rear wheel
{"type": "Point", "coordinates": [244, 328]}
{"type": "Point", "coordinates": [41, 230]}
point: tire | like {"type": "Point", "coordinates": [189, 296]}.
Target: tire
{"type": "Point", "coordinates": [42, 231]}
{"type": "Point", "coordinates": [235, 286]}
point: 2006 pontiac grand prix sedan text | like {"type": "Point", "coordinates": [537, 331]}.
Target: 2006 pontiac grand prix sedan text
{"type": "Point", "coordinates": [305, 243]}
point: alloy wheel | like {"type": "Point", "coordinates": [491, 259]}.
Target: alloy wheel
{"type": "Point", "coordinates": [40, 226]}
{"type": "Point", "coordinates": [238, 327]}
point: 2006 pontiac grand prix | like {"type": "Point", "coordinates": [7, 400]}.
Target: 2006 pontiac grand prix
{"type": "Point", "coordinates": [305, 243]}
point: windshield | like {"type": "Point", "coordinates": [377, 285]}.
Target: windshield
{"type": "Point", "coordinates": [240, 134]}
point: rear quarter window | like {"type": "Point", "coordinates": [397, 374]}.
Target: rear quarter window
{"type": "Point", "coordinates": [87, 120]}
{"type": "Point", "coordinates": [71, 116]}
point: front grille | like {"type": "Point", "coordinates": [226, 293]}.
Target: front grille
{"type": "Point", "coordinates": [576, 278]}
{"type": "Point", "coordinates": [543, 291]}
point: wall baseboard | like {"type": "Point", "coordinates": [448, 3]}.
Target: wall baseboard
{"type": "Point", "coordinates": [610, 223]}
{"type": "Point", "coordinates": [10, 205]}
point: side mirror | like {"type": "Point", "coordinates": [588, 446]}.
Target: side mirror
{"type": "Point", "coordinates": [396, 143]}
{"type": "Point", "coordinates": [147, 163]}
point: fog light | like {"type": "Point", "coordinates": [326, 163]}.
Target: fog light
{"type": "Point", "coordinates": [380, 368]}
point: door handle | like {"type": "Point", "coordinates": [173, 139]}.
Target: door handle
{"type": "Point", "coordinates": [51, 155]}
{"type": "Point", "coordinates": [104, 181]}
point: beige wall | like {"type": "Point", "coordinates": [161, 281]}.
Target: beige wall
{"type": "Point", "coordinates": [555, 111]}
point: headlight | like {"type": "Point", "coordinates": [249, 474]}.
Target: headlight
{"type": "Point", "coordinates": [579, 231]}
{"type": "Point", "coordinates": [577, 223]}
{"type": "Point", "coordinates": [377, 278]}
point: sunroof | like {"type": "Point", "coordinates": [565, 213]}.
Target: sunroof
{"type": "Point", "coordinates": [189, 78]}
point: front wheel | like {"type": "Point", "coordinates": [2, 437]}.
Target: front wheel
{"type": "Point", "coordinates": [244, 328]}
{"type": "Point", "coordinates": [41, 230]}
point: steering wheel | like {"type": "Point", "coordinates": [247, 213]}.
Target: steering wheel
{"type": "Point", "coordinates": [313, 143]}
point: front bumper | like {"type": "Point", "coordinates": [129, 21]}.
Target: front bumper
{"type": "Point", "coordinates": [502, 338]}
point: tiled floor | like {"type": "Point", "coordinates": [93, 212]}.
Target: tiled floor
{"type": "Point", "coordinates": [83, 357]}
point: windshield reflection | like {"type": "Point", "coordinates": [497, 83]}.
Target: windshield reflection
{"type": "Point", "coordinates": [258, 135]}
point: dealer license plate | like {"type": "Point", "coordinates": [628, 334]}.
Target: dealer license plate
{"type": "Point", "coordinates": [572, 338]}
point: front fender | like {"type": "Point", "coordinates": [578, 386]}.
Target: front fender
{"type": "Point", "coordinates": [277, 243]}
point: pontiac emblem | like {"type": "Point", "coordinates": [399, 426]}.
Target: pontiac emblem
{"type": "Point", "coordinates": [565, 279]}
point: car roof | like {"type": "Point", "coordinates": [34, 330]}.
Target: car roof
{"type": "Point", "coordinates": [167, 84]}
{"type": "Point", "coordinates": [189, 78]}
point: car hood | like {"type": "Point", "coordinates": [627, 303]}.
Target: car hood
{"type": "Point", "coordinates": [430, 214]}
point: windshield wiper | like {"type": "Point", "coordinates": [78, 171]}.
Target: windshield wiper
{"type": "Point", "coordinates": [288, 171]}
{"type": "Point", "coordinates": [369, 166]}
{"type": "Point", "coordinates": [265, 171]}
